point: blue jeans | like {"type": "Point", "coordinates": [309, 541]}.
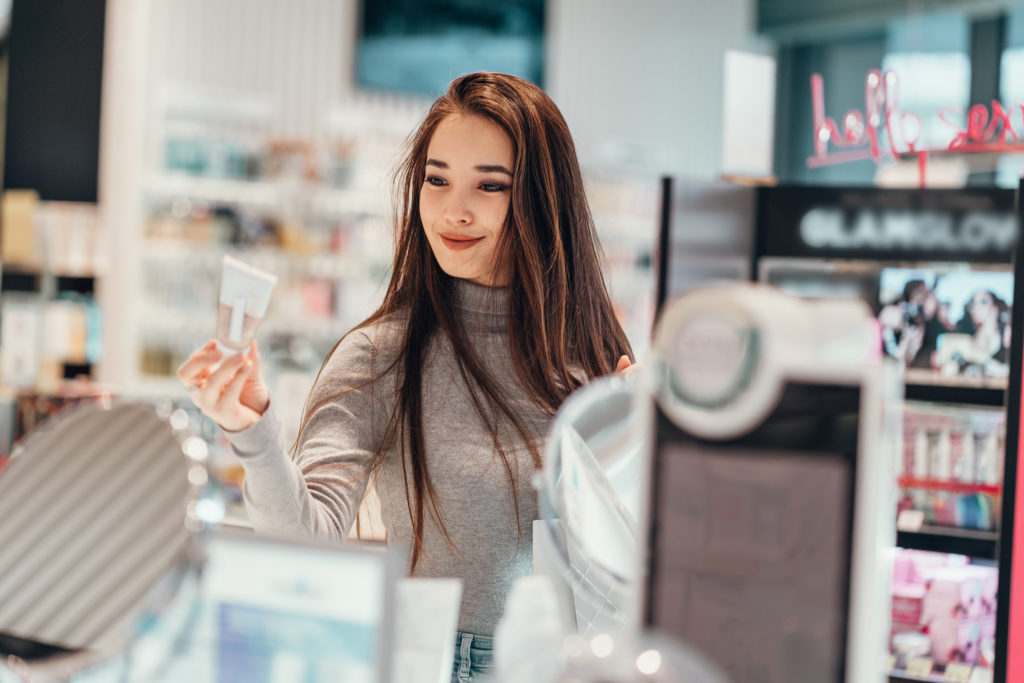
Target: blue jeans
{"type": "Point", "coordinates": [474, 658]}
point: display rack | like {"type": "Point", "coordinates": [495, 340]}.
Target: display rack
{"type": "Point", "coordinates": [1010, 602]}
{"type": "Point", "coordinates": [834, 242]}
{"type": "Point", "coordinates": [972, 543]}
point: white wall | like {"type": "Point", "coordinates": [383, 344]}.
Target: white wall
{"type": "Point", "coordinates": [640, 82]}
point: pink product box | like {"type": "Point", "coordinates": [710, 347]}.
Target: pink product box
{"type": "Point", "coordinates": [907, 606]}
{"type": "Point", "coordinates": [957, 640]}
{"type": "Point", "coordinates": [913, 566]}
{"type": "Point", "coordinates": [959, 593]}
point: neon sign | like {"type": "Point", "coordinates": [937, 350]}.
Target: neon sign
{"type": "Point", "coordinates": [883, 131]}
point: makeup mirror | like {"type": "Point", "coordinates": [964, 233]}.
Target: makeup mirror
{"type": "Point", "coordinates": [589, 496]}
{"type": "Point", "coordinates": [102, 514]}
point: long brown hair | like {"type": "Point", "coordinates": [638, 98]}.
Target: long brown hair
{"type": "Point", "coordinates": [561, 327]}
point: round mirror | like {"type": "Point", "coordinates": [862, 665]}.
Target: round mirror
{"type": "Point", "coordinates": [589, 496]}
{"type": "Point", "coordinates": [101, 516]}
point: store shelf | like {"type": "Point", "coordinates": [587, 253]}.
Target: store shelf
{"type": "Point", "coordinates": [222, 190]}
{"type": "Point", "coordinates": [963, 395]}
{"type": "Point", "coordinates": [904, 677]}
{"type": "Point", "coordinates": [969, 542]}
{"type": "Point", "coordinates": [337, 202]}
{"type": "Point", "coordinates": [948, 486]}
{"type": "Point", "coordinates": [181, 326]}
{"type": "Point", "coordinates": [210, 256]}
{"type": "Point", "coordinates": [323, 200]}
{"type": "Point", "coordinates": [897, 676]}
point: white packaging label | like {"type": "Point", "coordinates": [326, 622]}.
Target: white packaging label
{"type": "Point", "coordinates": [237, 319]}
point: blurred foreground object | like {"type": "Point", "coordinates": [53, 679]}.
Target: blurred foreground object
{"type": "Point", "coordinates": [100, 519]}
{"type": "Point", "coordinates": [771, 493]}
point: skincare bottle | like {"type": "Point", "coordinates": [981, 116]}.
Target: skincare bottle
{"type": "Point", "coordinates": [244, 297]}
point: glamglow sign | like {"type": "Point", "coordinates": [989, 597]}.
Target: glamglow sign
{"type": "Point", "coordinates": [970, 224]}
{"type": "Point", "coordinates": [833, 228]}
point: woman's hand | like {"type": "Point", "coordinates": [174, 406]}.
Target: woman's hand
{"type": "Point", "coordinates": [230, 391]}
{"type": "Point", "coordinates": [624, 366]}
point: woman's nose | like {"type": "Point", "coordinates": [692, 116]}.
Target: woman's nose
{"type": "Point", "coordinates": [458, 211]}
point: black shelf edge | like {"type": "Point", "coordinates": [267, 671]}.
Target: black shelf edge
{"type": "Point", "coordinates": [977, 544]}
{"type": "Point", "coordinates": [19, 281]}
{"type": "Point", "coordinates": [81, 284]}
{"type": "Point", "coordinates": [904, 677]}
{"type": "Point", "coordinates": [941, 393]}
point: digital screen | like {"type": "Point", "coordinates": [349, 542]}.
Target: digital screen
{"type": "Point", "coordinates": [949, 324]}
{"type": "Point", "coordinates": [271, 611]}
{"type": "Point", "coordinates": [419, 47]}
{"type": "Point", "coordinates": [751, 539]}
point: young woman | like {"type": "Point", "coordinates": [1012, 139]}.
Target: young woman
{"type": "Point", "coordinates": [496, 311]}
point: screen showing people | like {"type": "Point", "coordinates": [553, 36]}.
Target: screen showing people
{"type": "Point", "coordinates": [947, 323]}
{"type": "Point", "coordinates": [943, 326]}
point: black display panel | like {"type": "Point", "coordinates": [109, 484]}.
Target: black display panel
{"type": "Point", "coordinates": [704, 236]}
{"type": "Point", "coordinates": [53, 98]}
{"type": "Point", "coordinates": [751, 539]}
{"type": "Point", "coordinates": [966, 225]}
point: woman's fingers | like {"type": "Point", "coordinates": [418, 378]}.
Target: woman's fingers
{"type": "Point", "coordinates": [622, 364]}
{"type": "Point", "coordinates": [212, 389]}
{"type": "Point", "coordinates": [197, 367]}
{"type": "Point", "coordinates": [254, 356]}
{"type": "Point", "coordinates": [234, 386]}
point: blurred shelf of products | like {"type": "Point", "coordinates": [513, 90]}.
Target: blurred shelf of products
{"type": "Point", "coordinates": [943, 617]}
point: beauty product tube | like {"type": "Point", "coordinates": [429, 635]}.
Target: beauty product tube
{"type": "Point", "coordinates": [244, 297]}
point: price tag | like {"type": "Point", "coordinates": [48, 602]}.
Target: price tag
{"type": "Point", "coordinates": [910, 520]}
{"type": "Point", "coordinates": [981, 675]}
{"type": "Point", "coordinates": [919, 667]}
{"type": "Point", "coordinates": [958, 672]}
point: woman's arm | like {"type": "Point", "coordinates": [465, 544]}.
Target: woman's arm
{"type": "Point", "coordinates": [319, 491]}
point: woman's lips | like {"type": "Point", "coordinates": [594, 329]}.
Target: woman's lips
{"type": "Point", "coordinates": [458, 242]}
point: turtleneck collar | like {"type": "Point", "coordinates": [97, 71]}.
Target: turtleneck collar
{"type": "Point", "coordinates": [483, 308]}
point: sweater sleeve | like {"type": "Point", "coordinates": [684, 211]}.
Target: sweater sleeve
{"type": "Point", "coordinates": [318, 493]}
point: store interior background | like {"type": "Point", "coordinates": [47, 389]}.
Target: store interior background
{"type": "Point", "coordinates": [239, 126]}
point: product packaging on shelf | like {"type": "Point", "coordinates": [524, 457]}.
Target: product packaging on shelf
{"type": "Point", "coordinates": [951, 464]}
{"type": "Point", "coordinates": [943, 597]}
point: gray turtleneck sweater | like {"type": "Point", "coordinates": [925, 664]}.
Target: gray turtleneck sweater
{"type": "Point", "coordinates": [318, 493]}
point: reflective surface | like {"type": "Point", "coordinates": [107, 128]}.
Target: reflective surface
{"type": "Point", "coordinates": [590, 495]}
{"type": "Point", "coordinates": [100, 517]}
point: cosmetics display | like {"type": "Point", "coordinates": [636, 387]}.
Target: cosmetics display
{"type": "Point", "coordinates": [951, 464]}
{"type": "Point", "coordinates": [933, 266]}
{"type": "Point", "coordinates": [51, 326]}
{"type": "Point", "coordinates": [943, 611]}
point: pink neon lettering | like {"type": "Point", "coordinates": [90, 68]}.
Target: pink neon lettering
{"type": "Point", "coordinates": [989, 128]}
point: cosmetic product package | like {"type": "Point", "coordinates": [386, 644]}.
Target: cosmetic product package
{"type": "Point", "coordinates": [244, 297]}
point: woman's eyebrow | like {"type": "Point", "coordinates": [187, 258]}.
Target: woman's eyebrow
{"type": "Point", "coordinates": [483, 168]}
{"type": "Point", "coordinates": [497, 168]}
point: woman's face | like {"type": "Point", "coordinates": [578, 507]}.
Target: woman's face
{"type": "Point", "coordinates": [983, 308]}
{"type": "Point", "coordinates": [465, 196]}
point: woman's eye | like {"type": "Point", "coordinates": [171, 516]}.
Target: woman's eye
{"type": "Point", "coordinates": [435, 181]}
{"type": "Point", "coordinates": [493, 187]}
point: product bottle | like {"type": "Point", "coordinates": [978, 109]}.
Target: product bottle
{"type": "Point", "coordinates": [967, 463]}
{"type": "Point", "coordinates": [528, 642]}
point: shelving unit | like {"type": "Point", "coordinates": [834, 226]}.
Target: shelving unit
{"type": "Point", "coordinates": [982, 545]}
{"type": "Point", "coordinates": [949, 459]}
{"type": "Point", "coordinates": [937, 393]}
